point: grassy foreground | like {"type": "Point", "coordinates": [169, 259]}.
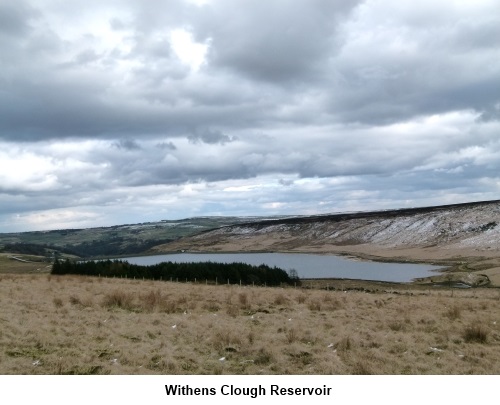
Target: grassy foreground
{"type": "Point", "coordinates": [88, 325]}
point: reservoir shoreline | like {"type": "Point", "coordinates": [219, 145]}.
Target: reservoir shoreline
{"type": "Point", "coordinates": [308, 265]}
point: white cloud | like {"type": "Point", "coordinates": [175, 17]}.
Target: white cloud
{"type": "Point", "coordinates": [188, 50]}
{"type": "Point", "coordinates": [25, 171]}
{"type": "Point", "coordinates": [57, 219]}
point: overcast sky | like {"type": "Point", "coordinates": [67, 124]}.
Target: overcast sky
{"type": "Point", "coordinates": [126, 111]}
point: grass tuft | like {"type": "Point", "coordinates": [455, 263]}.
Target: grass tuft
{"type": "Point", "coordinates": [58, 302]}
{"type": "Point", "coordinates": [453, 313]}
{"type": "Point", "coordinates": [152, 300]}
{"type": "Point", "coordinates": [344, 344]}
{"type": "Point", "coordinates": [280, 299]}
{"type": "Point", "coordinates": [118, 299]}
{"type": "Point", "coordinates": [475, 334]}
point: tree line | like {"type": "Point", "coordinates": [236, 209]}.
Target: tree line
{"type": "Point", "coordinates": [109, 247]}
{"type": "Point", "coordinates": [26, 248]}
{"type": "Point", "coordinates": [233, 273]}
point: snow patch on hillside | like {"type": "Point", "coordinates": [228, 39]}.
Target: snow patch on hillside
{"type": "Point", "coordinates": [475, 226]}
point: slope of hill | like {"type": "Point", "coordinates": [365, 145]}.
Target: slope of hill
{"type": "Point", "coordinates": [109, 241]}
{"type": "Point", "coordinates": [466, 235]}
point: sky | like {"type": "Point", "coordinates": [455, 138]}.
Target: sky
{"type": "Point", "coordinates": [117, 112]}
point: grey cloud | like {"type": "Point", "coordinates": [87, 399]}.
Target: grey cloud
{"type": "Point", "coordinates": [117, 24]}
{"type": "Point", "coordinates": [302, 65]}
{"type": "Point", "coordinates": [470, 35]}
{"type": "Point", "coordinates": [491, 114]}
{"type": "Point", "coordinates": [87, 56]}
{"type": "Point", "coordinates": [285, 183]}
{"type": "Point", "coordinates": [15, 18]}
{"type": "Point", "coordinates": [210, 136]}
{"type": "Point", "coordinates": [274, 41]}
{"type": "Point", "coordinates": [166, 145]}
{"type": "Point", "coordinates": [127, 144]}
{"type": "Point", "coordinates": [401, 100]}
{"type": "Point", "coordinates": [398, 71]}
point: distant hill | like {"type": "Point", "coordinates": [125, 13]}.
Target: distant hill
{"type": "Point", "coordinates": [464, 236]}
{"type": "Point", "coordinates": [109, 241]}
{"type": "Point", "coordinates": [428, 233]}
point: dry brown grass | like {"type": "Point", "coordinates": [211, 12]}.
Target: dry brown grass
{"type": "Point", "coordinates": [81, 325]}
{"type": "Point", "coordinates": [475, 333]}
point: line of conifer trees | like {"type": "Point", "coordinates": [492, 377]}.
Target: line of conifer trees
{"type": "Point", "coordinates": [233, 273]}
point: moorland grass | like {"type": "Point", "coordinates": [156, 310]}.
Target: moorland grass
{"type": "Point", "coordinates": [90, 325]}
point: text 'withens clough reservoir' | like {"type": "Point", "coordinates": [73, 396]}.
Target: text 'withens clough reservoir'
{"type": "Point", "coordinates": [252, 392]}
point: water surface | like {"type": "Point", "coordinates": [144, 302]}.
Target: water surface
{"type": "Point", "coordinates": [306, 265]}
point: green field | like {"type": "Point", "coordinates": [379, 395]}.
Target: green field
{"type": "Point", "coordinates": [16, 263]}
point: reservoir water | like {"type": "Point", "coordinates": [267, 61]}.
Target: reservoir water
{"type": "Point", "coordinates": [306, 265]}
